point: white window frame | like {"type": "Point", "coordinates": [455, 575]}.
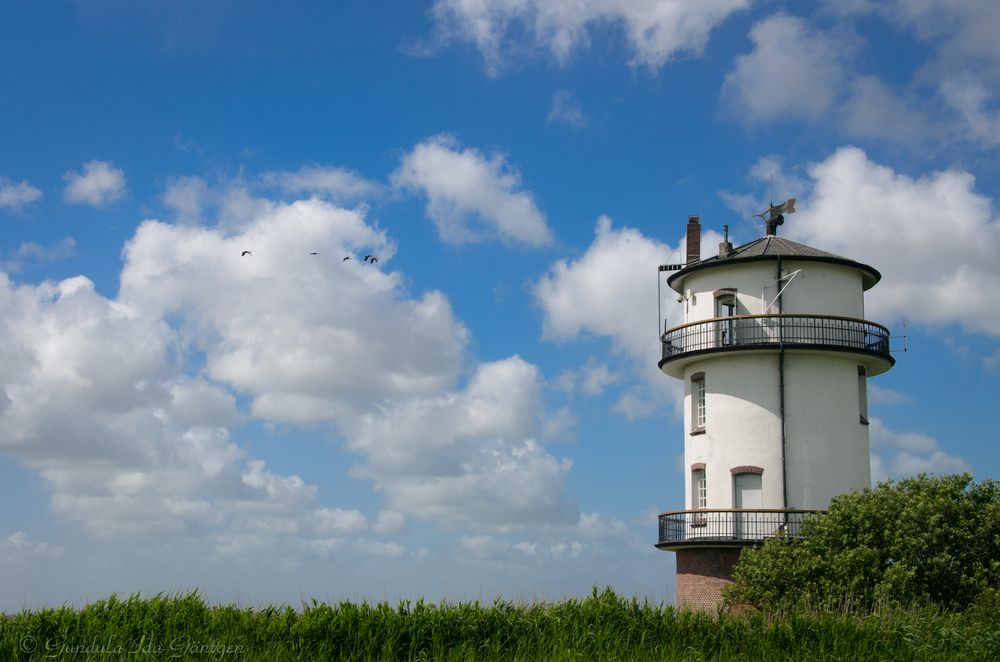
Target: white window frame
{"type": "Point", "coordinates": [699, 397]}
{"type": "Point", "coordinates": [699, 490]}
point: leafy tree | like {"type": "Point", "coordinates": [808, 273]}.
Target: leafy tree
{"type": "Point", "coordinates": [928, 539]}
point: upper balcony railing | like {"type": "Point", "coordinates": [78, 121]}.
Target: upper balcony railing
{"type": "Point", "coordinates": [694, 528]}
{"type": "Point", "coordinates": [772, 331]}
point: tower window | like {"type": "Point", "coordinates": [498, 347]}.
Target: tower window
{"type": "Point", "coordinates": [699, 490]}
{"type": "Point", "coordinates": [863, 394]}
{"type": "Point", "coordinates": [725, 309]}
{"type": "Point", "coordinates": [698, 403]}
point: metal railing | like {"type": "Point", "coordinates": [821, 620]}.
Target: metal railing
{"type": "Point", "coordinates": [730, 526]}
{"type": "Point", "coordinates": [766, 331]}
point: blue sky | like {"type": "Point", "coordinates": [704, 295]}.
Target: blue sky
{"type": "Point", "coordinates": [479, 412]}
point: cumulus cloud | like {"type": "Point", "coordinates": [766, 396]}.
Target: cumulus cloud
{"type": "Point", "coordinates": [901, 454]}
{"type": "Point", "coordinates": [887, 396]}
{"type": "Point", "coordinates": [976, 106]}
{"type": "Point", "coordinates": [90, 391]}
{"type": "Point", "coordinates": [334, 183]}
{"type": "Point", "coordinates": [472, 197]}
{"type": "Point", "coordinates": [318, 339]}
{"type": "Point", "coordinates": [610, 292]}
{"type": "Point", "coordinates": [98, 184]}
{"type": "Point", "coordinates": [338, 520]}
{"type": "Point", "coordinates": [16, 547]}
{"type": "Point", "coordinates": [469, 457]}
{"type": "Point", "coordinates": [792, 70]}
{"type": "Point", "coordinates": [187, 198]}
{"type": "Point", "coordinates": [31, 253]}
{"type": "Point", "coordinates": [656, 32]}
{"type": "Point", "coordinates": [389, 521]}
{"type": "Point", "coordinates": [798, 70]}
{"type": "Point", "coordinates": [565, 110]}
{"type": "Point", "coordinates": [934, 238]}
{"type": "Point", "coordinates": [591, 379]}
{"type": "Point", "coordinates": [14, 195]}
{"type": "Point", "coordinates": [124, 406]}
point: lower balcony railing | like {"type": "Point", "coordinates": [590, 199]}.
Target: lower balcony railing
{"type": "Point", "coordinates": [679, 528]}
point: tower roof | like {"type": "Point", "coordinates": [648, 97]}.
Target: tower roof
{"type": "Point", "coordinates": [772, 247]}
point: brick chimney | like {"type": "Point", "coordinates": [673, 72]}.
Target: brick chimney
{"type": "Point", "coordinates": [693, 240]}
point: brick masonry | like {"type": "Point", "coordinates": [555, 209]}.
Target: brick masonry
{"type": "Point", "coordinates": [701, 575]}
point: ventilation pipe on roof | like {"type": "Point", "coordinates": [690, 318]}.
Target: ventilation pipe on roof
{"type": "Point", "coordinates": [725, 248]}
{"type": "Point", "coordinates": [693, 240]}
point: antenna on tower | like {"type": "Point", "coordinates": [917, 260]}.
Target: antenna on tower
{"type": "Point", "coordinates": [904, 339]}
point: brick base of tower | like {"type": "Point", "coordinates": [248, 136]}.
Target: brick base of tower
{"type": "Point", "coordinates": [702, 573]}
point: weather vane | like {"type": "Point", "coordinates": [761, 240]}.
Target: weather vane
{"type": "Point", "coordinates": [776, 214]}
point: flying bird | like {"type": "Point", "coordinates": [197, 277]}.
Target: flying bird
{"type": "Point", "coordinates": [245, 253]}
{"type": "Point", "coordinates": [346, 258]}
{"type": "Point", "coordinates": [314, 253]}
{"type": "Point", "coordinates": [371, 258]}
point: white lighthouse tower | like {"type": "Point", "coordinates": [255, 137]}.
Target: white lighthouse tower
{"type": "Point", "coordinates": [774, 353]}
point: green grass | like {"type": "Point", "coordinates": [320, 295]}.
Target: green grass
{"type": "Point", "coordinates": [601, 627]}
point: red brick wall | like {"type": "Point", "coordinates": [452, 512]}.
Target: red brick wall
{"type": "Point", "coordinates": [701, 575]}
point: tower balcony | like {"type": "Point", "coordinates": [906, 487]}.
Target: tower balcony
{"type": "Point", "coordinates": [743, 333]}
{"type": "Point", "coordinates": [681, 529]}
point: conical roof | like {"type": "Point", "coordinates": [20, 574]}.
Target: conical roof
{"type": "Point", "coordinates": [771, 247]}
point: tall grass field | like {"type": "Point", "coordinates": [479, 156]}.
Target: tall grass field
{"type": "Point", "coordinates": [604, 626]}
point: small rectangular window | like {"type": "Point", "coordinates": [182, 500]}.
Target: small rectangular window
{"type": "Point", "coordinates": [699, 490]}
{"type": "Point", "coordinates": [699, 388]}
{"type": "Point", "coordinates": [863, 394]}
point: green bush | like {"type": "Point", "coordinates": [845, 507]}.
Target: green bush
{"type": "Point", "coordinates": [929, 540]}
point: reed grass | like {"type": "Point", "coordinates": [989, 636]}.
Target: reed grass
{"type": "Point", "coordinates": [604, 626]}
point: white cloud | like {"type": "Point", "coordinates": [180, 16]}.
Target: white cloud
{"type": "Point", "coordinates": [334, 183]}
{"type": "Point", "coordinates": [971, 100]}
{"type": "Point", "coordinates": [963, 33]}
{"type": "Point", "coordinates": [187, 197]}
{"type": "Point", "coordinates": [340, 521]}
{"type": "Point", "coordinates": [99, 184]}
{"type": "Point", "coordinates": [591, 379]}
{"type": "Point", "coordinates": [934, 238]}
{"type": "Point", "coordinates": [16, 547]}
{"type": "Point", "coordinates": [389, 521]}
{"type": "Point", "coordinates": [375, 548]}
{"type": "Point", "coordinates": [769, 179]}
{"type": "Point", "coordinates": [595, 525]}
{"type": "Point", "coordinates": [887, 396]}
{"type": "Point", "coordinates": [565, 110]}
{"type": "Point", "coordinates": [468, 458]}
{"type": "Point", "coordinates": [798, 70]}
{"type": "Point", "coordinates": [902, 454]}
{"type": "Point", "coordinates": [96, 406]}
{"type": "Point", "coordinates": [14, 195]}
{"type": "Point", "coordinates": [791, 71]}
{"type": "Point", "coordinates": [471, 197]}
{"type": "Point", "coordinates": [123, 406]}
{"type": "Point", "coordinates": [656, 30]}
{"type": "Point", "coordinates": [610, 292]}
{"type": "Point", "coordinates": [309, 338]}
{"type": "Point", "coordinates": [873, 110]}
{"type": "Point", "coordinates": [30, 252]}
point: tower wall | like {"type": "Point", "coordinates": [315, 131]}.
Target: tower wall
{"type": "Point", "coordinates": [743, 426]}
{"type": "Point", "coordinates": [827, 449]}
{"type": "Point", "coordinates": [702, 573]}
